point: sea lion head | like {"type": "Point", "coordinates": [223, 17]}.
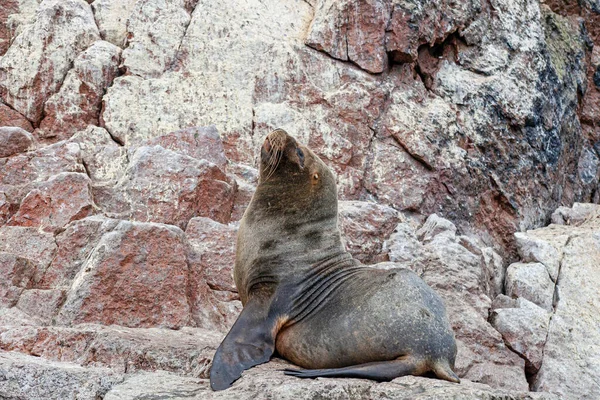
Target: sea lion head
{"type": "Point", "coordinates": [294, 178]}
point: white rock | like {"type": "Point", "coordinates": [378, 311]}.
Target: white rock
{"type": "Point", "coordinates": [155, 31]}
{"type": "Point", "coordinates": [112, 17]}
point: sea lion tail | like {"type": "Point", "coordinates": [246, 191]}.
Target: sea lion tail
{"type": "Point", "coordinates": [441, 369]}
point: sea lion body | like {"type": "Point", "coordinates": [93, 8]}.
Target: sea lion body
{"type": "Point", "coordinates": [307, 298]}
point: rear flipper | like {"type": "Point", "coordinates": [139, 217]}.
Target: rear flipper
{"type": "Point", "coordinates": [442, 370]}
{"type": "Point", "coordinates": [379, 371]}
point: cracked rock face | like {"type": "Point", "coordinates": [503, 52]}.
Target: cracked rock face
{"type": "Point", "coordinates": [129, 133]}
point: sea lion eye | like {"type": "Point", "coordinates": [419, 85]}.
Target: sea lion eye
{"type": "Point", "coordinates": [316, 176]}
{"type": "Point", "coordinates": [300, 155]}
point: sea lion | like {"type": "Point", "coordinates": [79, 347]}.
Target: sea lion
{"type": "Point", "coordinates": [307, 298]}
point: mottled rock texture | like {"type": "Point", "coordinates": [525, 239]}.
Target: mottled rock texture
{"type": "Point", "coordinates": [129, 134]}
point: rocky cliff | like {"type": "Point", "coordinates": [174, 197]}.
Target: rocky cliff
{"type": "Point", "coordinates": [458, 132]}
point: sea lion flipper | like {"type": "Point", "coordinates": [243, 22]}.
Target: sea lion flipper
{"type": "Point", "coordinates": [249, 342]}
{"type": "Point", "coordinates": [378, 371]}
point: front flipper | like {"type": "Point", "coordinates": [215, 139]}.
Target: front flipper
{"type": "Point", "coordinates": [250, 342]}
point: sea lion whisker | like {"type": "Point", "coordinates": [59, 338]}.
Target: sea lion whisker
{"type": "Point", "coordinates": [278, 156]}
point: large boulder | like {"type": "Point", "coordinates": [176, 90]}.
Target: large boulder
{"type": "Point", "coordinates": [137, 276]}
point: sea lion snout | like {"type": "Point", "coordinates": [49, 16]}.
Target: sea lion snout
{"type": "Point", "coordinates": [275, 141]}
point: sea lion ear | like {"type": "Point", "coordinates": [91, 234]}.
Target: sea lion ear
{"type": "Point", "coordinates": [250, 342]}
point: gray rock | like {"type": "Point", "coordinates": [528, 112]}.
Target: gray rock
{"type": "Point", "coordinates": [32, 378]}
{"type": "Point", "coordinates": [533, 250]}
{"type": "Point", "coordinates": [524, 328]}
{"type": "Point", "coordinates": [531, 281]}
{"type": "Point", "coordinates": [571, 363]}
{"type": "Point", "coordinates": [267, 382]}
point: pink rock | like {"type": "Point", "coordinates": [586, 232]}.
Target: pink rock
{"type": "Point", "coordinates": [21, 173]}
{"type": "Point", "coordinates": [16, 273]}
{"type": "Point", "coordinates": [10, 117]}
{"type": "Point", "coordinates": [185, 351]}
{"type": "Point", "coordinates": [211, 258]}
{"type": "Point", "coordinates": [213, 249]}
{"type": "Point", "coordinates": [53, 204]}
{"type": "Point", "coordinates": [364, 227]}
{"type": "Point", "coordinates": [75, 244]}
{"type": "Point", "coordinates": [43, 304]}
{"type": "Point", "coordinates": [39, 165]}
{"type": "Point", "coordinates": [364, 32]}
{"type": "Point", "coordinates": [29, 243]}
{"type": "Point", "coordinates": [163, 186]}
{"type": "Point", "coordinates": [137, 276]}
{"type": "Point", "coordinates": [202, 143]}
{"type": "Point", "coordinates": [395, 178]}
{"type": "Point", "coordinates": [79, 99]}
{"type": "Point", "coordinates": [39, 58]}
{"type": "Point", "coordinates": [352, 30]}
{"type": "Point", "coordinates": [14, 140]}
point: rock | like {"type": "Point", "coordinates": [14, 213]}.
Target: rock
{"type": "Point", "coordinates": [366, 32]}
{"type": "Point", "coordinates": [201, 143]}
{"type": "Point", "coordinates": [160, 185]}
{"type": "Point", "coordinates": [112, 19]}
{"type": "Point", "coordinates": [435, 226]}
{"type": "Point", "coordinates": [364, 227]}
{"type": "Point", "coordinates": [18, 273]}
{"type": "Point", "coordinates": [576, 215]}
{"type": "Point", "coordinates": [247, 179]}
{"type": "Point", "coordinates": [78, 101]}
{"type": "Point", "coordinates": [267, 381]}
{"type": "Point", "coordinates": [396, 178]}
{"type": "Point", "coordinates": [4, 209]}
{"type": "Point", "coordinates": [137, 268]}
{"type": "Point", "coordinates": [14, 140]}
{"type": "Point", "coordinates": [186, 351]}
{"type": "Point", "coordinates": [43, 304]}
{"type": "Point", "coordinates": [39, 165]}
{"type": "Point", "coordinates": [104, 160]}
{"type": "Point", "coordinates": [34, 378]}
{"type": "Point", "coordinates": [534, 250]}
{"type": "Point", "coordinates": [524, 328]}
{"type": "Point", "coordinates": [21, 173]}
{"type": "Point", "coordinates": [210, 86]}
{"type": "Point", "coordinates": [532, 282]}
{"type": "Point", "coordinates": [37, 247]}
{"type": "Point", "coordinates": [11, 118]}
{"type": "Point", "coordinates": [571, 361]}
{"type": "Point", "coordinates": [211, 257]}
{"type": "Point", "coordinates": [53, 204]}
{"type": "Point", "coordinates": [75, 244]}
{"type": "Point", "coordinates": [9, 7]}
{"type": "Point", "coordinates": [213, 248]}
{"type": "Point", "coordinates": [38, 60]}
{"type": "Point", "coordinates": [155, 30]}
